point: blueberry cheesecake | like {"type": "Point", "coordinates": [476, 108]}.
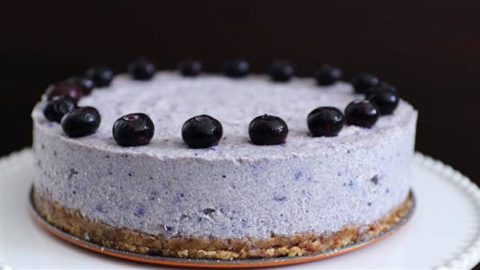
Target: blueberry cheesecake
{"type": "Point", "coordinates": [222, 166]}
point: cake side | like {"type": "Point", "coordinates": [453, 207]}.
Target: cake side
{"type": "Point", "coordinates": [234, 190]}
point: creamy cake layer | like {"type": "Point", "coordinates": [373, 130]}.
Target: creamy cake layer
{"type": "Point", "coordinates": [235, 189]}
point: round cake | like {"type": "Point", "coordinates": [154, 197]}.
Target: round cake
{"type": "Point", "coordinates": [234, 199]}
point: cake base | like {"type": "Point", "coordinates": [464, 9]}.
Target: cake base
{"type": "Point", "coordinates": [303, 245]}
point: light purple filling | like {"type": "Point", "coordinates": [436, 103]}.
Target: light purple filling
{"type": "Point", "coordinates": [235, 189]}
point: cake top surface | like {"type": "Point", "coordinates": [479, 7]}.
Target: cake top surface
{"type": "Point", "coordinates": [170, 99]}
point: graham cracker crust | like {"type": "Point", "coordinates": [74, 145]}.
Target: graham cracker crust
{"type": "Point", "coordinates": [72, 222]}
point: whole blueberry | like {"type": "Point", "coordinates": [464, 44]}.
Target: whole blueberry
{"type": "Point", "coordinates": [64, 89]}
{"type": "Point", "coordinates": [325, 121]}
{"type": "Point", "coordinates": [190, 68]}
{"type": "Point", "coordinates": [81, 122]}
{"type": "Point", "coordinates": [280, 71]}
{"type": "Point", "coordinates": [380, 87]}
{"type": "Point", "coordinates": [236, 68]}
{"type": "Point", "coordinates": [202, 131]}
{"type": "Point", "coordinates": [133, 129]}
{"type": "Point", "coordinates": [82, 81]}
{"type": "Point", "coordinates": [386, 101]}
{"type": "Point", "coordinates": [328, 75]}
{"type": "Point", "coordinates": [141, 69]}
{"type": "Point", "coordinates": [361, 113]}
{"type": "Point", "coordinates": [361, 83]}
{"type": "Point", "coordinates": [56, 108]}
{"type": "Point", "coordinates": [101, 76]}
{"type": "Point", "coordinates": [267, 130]}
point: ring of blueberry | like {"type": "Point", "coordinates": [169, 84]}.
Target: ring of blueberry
{"type": "Point", "coordinates": [203, 131]}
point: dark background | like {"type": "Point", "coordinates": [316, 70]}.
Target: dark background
{"type": "Point", "coordinates": [429, 49]}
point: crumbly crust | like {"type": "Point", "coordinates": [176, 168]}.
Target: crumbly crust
{"type": "Point", "coordinates": [72, 222]}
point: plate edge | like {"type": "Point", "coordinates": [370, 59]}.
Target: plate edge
{"type": "Point", "coordinates": [470, 256]}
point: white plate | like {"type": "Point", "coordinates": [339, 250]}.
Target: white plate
{"type": "Point", "coordinates": [444, 232]}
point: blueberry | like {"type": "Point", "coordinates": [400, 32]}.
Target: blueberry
{"type": "Point", "coordinates": [382, 86]}
{"type": "Point", "coordinates": [141, 69]}
{"type": "Point", "coordinates": [202, 131]}
{"type": "Point", "coordinates": [81, 122]}
{"type": "Point", "coordinates": [361, 113]}
{"type": "Point", "coordinates": [363, 82]}
{"type": "Point", "coordinates": [100, 75]}
{"type": "Point", "coordinates": [267, 130]}
{"type": "Point", "coordinates": [328, 75]}
{"type": "Point", "coordinates": [65, 89]}
{"type": "Point", "coordinates": [55, 109]}
{"type": "Point", "coordinates": [325, 121]}
{"type": "Point", "coordinates": [236, 68]}
{"type": "Point", "coordinates": [190, 68]}
{"type": "Point", "coordinates": [82, 81]}
{"type": "Point", "coordinates": [280, 71]}
{"type": "Point", "coordinates": [386, 101]}
{"type": "Point", "coordinates": [133, 129]}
